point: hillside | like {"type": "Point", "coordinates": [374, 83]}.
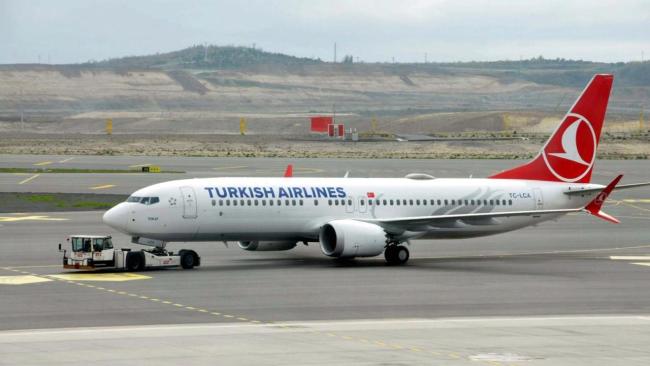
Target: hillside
{"type": "Point", "coordinates": [185, 92]}
{"type": "Point", "coordinates": [210, 57]}
{"type": "Point", "coordinates": [558, 72]}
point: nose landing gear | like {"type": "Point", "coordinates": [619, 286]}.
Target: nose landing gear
{"type": "Point", "coordinates": [396, 254]}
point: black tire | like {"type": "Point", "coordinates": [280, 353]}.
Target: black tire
{"type": "Point", "coordinates": [134, 261]}
{"type": "Point", "coordinates": [396, 255]}
{"type": "Point", "coordinates": [189, 259]}
{"type": "Point", "coordinates": [389, 254]}
{"type": "Point", "coordinates": [402, 255]}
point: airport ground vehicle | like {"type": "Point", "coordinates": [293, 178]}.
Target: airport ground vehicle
{"type": "Point", "coordinates": [95, 252]}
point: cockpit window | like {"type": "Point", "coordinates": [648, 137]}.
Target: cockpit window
{"type": "Point", "coordinates": [143, 200]}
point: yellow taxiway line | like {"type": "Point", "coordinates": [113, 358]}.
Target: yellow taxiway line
{"type": "Point", "coordinates": [65, 160]}
{"type": "Point", "coordinates": [42, 163]}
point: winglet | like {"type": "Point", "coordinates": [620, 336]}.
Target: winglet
{"type": "Point", "coordinates": [594, 206]}
{"type": "Point", "coordinates": [288, 173]}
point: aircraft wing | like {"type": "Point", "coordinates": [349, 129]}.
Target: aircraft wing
{"type": "Point", "coordinates": [418, 223]}
{"type": "Point", "coordinates": [622, 186]}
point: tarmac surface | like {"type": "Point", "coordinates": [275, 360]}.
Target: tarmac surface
{"type": "Point", "coordinates": [201, 167]}
{"type": "Point", "coordinates": [569, 292]}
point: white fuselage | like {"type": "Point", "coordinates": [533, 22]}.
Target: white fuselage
{"type": "Point", "coordinates": [221, 209]}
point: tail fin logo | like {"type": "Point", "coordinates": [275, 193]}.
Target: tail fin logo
{"type": "Point", "coordinates": [571, 152]}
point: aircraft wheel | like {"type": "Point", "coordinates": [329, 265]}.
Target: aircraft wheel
{"type": "Point", "coordinates": [402, 255]}
{"type": "Point", "coordinates": [389, 253]}
{"type": "Point", "coordinates": [396, 255]}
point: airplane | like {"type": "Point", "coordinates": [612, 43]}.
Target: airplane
{"type": "Point", "coordinates": [365, 217]}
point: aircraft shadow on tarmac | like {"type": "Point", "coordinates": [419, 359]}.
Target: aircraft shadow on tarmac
{"type": "Point", "coordinates": [525, 264]}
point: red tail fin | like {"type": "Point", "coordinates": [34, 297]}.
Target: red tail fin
{"type": "Point", "coordinates": [289, 171]}
{"type": "Point", "coordinates": [570, 152]}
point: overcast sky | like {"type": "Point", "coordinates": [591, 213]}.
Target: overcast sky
{"type": "Point", "coordinates": [67, 31]}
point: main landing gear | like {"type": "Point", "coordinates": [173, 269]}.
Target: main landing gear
{"type": "Point", "coordinates": [396, 254]}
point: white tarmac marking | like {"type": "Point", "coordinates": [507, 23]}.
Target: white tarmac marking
{"type": "Point", "coordinates": [630, 257]}
{"type": "Point", "coordinates": [29, 179]}
{"type": "Point", "coordinates": [103, 186]}
{"type": "Point", "coordinates": [65, 160]}
{"type": "Point", "coordinates": [642, 264]}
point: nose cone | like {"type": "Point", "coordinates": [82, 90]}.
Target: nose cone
{"type": "Point", "coordinates": [116, 217]}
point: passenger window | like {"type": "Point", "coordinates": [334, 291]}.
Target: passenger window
{"type": "Point", "coordinates": [377, 202]}
{"type": "Point", "coordinates": [220, 202]}
{"type": "Point", "coordinates": [256, 202]}
{"type": "Point", "coordinates": [503, 202]}
{"type": "Point", "coordinates": [300, 202]}
{"type": "Point", "coordinates": [417, 202]}
{"type": "Point", "coordinates": [384, 202]}
{"type": "Point", "coordinates": [362, 202]}
{"type": "Point", "coordinates": [466, 203]}
{"type": "Point", "coordinates": [369, 202]}
{"type": "Point", "coordinates": [336, 202]}
{"type": "Point", "coordinates": [472, 202]}
{"type": "Point", "coordinates": [270, 202]}
{"type": "Point", "coordinates": [293, 202]}
{"type": "Point", "coordinates": [315, 202]}
{"type": "Point", "coordinates": [286, 202]}
{"type": "Point", "coordinates": [491, 202]}
{"type": "Point", "coordinates": [411, 202]}
{"type": "Point", "coordinates": [349, 202]}
{"type": "Point", "coordinates": [279, 202]}
{"type": "Point", "coordinates": [397, 202]}
{"type": "Point", "coordinates": [234, 202]}
{"type": "Point", "coordinates": [438, 202]}
{"type": "Point", "coordinates": [263, 202]}
{"type": "Point", "coordinates": [214, 202]}
{"type": "Point", "coordinates": [497, 201]}
{"type": "Point", "coordinates": [241, 202]}
{"type": "Point", "coordinates": [453, 202]}
{"type": "Point", "coordinates": [329, 202]}
{"type": "Point", "coordinates": [227, 202]}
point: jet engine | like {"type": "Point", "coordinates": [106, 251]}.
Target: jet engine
{"type": "Point", "coordinates": [266, 246]}
{"type": "Point", "coordinates": [351, 238]}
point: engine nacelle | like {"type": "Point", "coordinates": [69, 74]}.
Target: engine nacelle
{"type": "Point", "coordinates": [266, 246]}
{"type": "Point", "coordinates": [351, 238]}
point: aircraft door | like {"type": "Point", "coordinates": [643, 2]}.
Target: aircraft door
{"type": "Point", "coordinates": [363, 204]}
{"type": "Point", "coordinates": [539, 199]}
{"type": "Point", "coordinates": [189, 202]}
{"type": "Point", "coordinates": [349, 204]}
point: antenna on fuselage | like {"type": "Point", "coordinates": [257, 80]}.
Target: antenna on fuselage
{"type": "Point", "coordinates": [347, 174]}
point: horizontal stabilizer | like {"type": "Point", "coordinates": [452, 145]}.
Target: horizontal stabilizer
{"type": "Point", "coordinates": [598, 189]}
{"type": "Point", "coordinates": [594, 207]}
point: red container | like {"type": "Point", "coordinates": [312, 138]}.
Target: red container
{"type": "Point", "coordinates": [320, 123]}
